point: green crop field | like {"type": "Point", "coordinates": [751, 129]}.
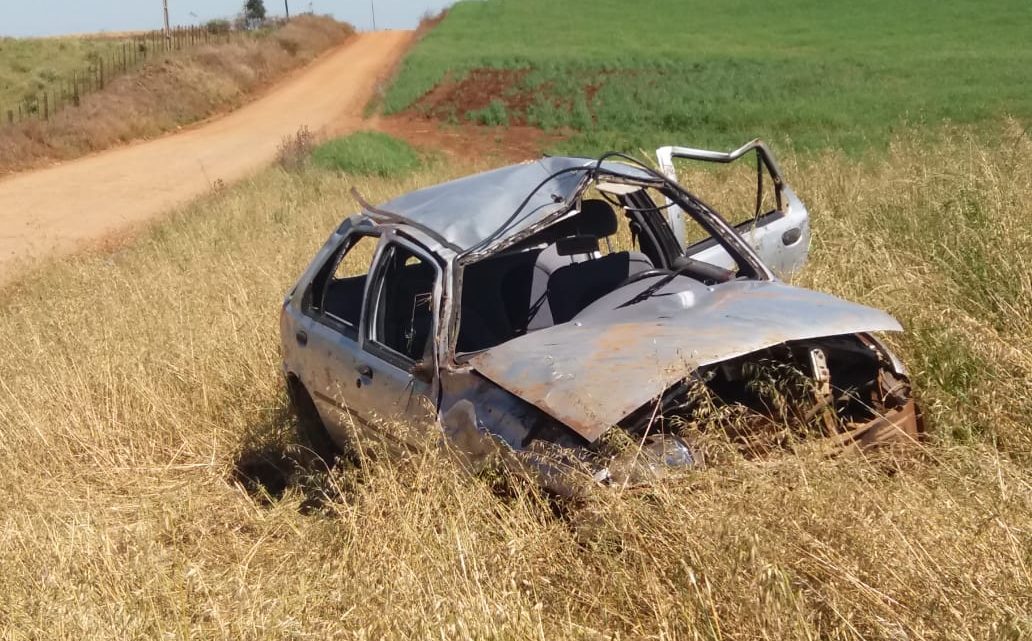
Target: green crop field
{"type": "Point", "coordinates": [822, 74]}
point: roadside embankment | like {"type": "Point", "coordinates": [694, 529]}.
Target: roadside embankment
{"type": "Point", "coordinates": [172, 92]}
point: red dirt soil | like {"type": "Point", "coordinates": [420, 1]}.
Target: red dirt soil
{"type": "Point", "coordinates": [439, 119]}
{"type": "Point", "coordinates": [466, 141]}
{"type": "Point", "coordinates": [451, 100]}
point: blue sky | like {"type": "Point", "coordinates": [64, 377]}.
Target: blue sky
{"type": "Point", "coordinates": [50, 17]}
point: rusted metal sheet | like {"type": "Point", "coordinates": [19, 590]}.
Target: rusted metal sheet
{"type": "Point", "coordinates": [901, 426]}
{"type": "Point", "coordinates": [595, 370]}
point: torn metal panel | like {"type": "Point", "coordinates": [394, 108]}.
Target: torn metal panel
{"type": "Point", "coordinates": [897, 426]}
{"type": "Point", "coordinates": [780, 236]}
{"type": "Point", "coordinates": [592, 372]}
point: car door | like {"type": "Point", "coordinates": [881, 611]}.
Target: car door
{"type": "Point", "coordinates": [397, 364]}
{"type": "Point", "coordinates": [777, 226]}
{"type": "Point", "coordinates": [329, 334]}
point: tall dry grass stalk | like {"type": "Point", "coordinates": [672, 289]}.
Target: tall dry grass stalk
{"type": "Point", "coordinates": [170, 92]}
{"type": "Point", "coordinates": [132, 383]}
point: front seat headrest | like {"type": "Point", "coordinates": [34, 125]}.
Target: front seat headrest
{"type": "Point", "coordinates": [595, 218]}
{"type": "Point", "coordinates": [577, 245]}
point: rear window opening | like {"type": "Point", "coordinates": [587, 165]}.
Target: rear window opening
{"type": "Point", "coordinates": [335, 295]}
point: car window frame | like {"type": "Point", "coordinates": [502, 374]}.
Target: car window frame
{"type": "Point", "coordinates": [721, 232]}
{"type": "Point", "coordinates": [373, 287]}
{"type": "Point", "coordinates": [325, 273]}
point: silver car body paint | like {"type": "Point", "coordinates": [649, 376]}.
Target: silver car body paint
{"type": "Point", "coordinates": [607, 362]}
{"type": "Point", "coordinates": [781, 236]}
{"type": "Point", "coordinates": [587, 373]}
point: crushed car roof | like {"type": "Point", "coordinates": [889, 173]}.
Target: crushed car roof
{"type": "Point", "coordinates": [471, 211]}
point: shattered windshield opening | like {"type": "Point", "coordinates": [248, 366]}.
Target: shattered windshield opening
{"type": "Point", "coordinates": [736, 255]}
{"type": "Point", "coordinates": [614, 241]}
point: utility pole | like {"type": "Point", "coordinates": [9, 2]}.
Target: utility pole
{"type": "Point", "coordinates": [372, 7]}
{"type": "Point", "coordinates": [168, 31]}
{"type": "Point", "coordinates": [286, 5]}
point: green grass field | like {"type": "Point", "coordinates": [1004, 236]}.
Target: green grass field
{"type": "Point", "coordinates": [29, 66]}
{"type": "Point", "coordinates": [367, 153]}
{"type": "Point", "coordinates": [822, 74]}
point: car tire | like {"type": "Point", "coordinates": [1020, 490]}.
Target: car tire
{"type": "Point", "coordinates": [315, 441]}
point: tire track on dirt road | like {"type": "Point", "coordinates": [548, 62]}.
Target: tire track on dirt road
{"type": "Point", "coordinates": [57, 210]}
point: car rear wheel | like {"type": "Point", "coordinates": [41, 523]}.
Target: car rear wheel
{"type": "Point", "coordinates": [311, 432]}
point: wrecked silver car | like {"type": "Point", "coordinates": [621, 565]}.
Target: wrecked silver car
{"type": "Point", "coordinates": [543, 313]}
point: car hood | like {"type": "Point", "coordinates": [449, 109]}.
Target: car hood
{"type": "Point", "coordinates": [592, 372]}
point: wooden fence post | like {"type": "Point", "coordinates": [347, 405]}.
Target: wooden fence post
{"type": "Point", "coordinates": [71, 91]}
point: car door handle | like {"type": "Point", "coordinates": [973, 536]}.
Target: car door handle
{"type": "Point", "coordinates": [791, 236]}
{"type": "Point", "coordinates": [364, 370]}
{"type": "Point", "coordinates": [302, 337]}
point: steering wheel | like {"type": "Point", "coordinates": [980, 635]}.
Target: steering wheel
{"type": "Point", "coordinates": [706, 273]}
{"type": "Point", "coordinates": [700, 270]}
{"type": "Point", "coordinates": [648, 273]}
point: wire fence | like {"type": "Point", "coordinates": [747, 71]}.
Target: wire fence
{"type": "Point", "coordinates": [134, 52]}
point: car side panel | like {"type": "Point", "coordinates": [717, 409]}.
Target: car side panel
{"type": "Point", "coordinates": [330, 372]}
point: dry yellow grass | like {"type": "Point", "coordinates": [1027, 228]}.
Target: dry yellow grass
{"type": "Point", "coordinates": [132, 382]}
{"type": "Point", "coordinates": [171, 92]}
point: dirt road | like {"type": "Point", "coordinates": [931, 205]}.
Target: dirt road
{"type": "Point", "coordinates": [57, 210]}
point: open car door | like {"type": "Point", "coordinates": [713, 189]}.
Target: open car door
{"type": "Point", "coordinates": [778, 228]}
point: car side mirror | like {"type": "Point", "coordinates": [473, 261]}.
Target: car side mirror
{"type": "Point", "coordinates": [423, 370]}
